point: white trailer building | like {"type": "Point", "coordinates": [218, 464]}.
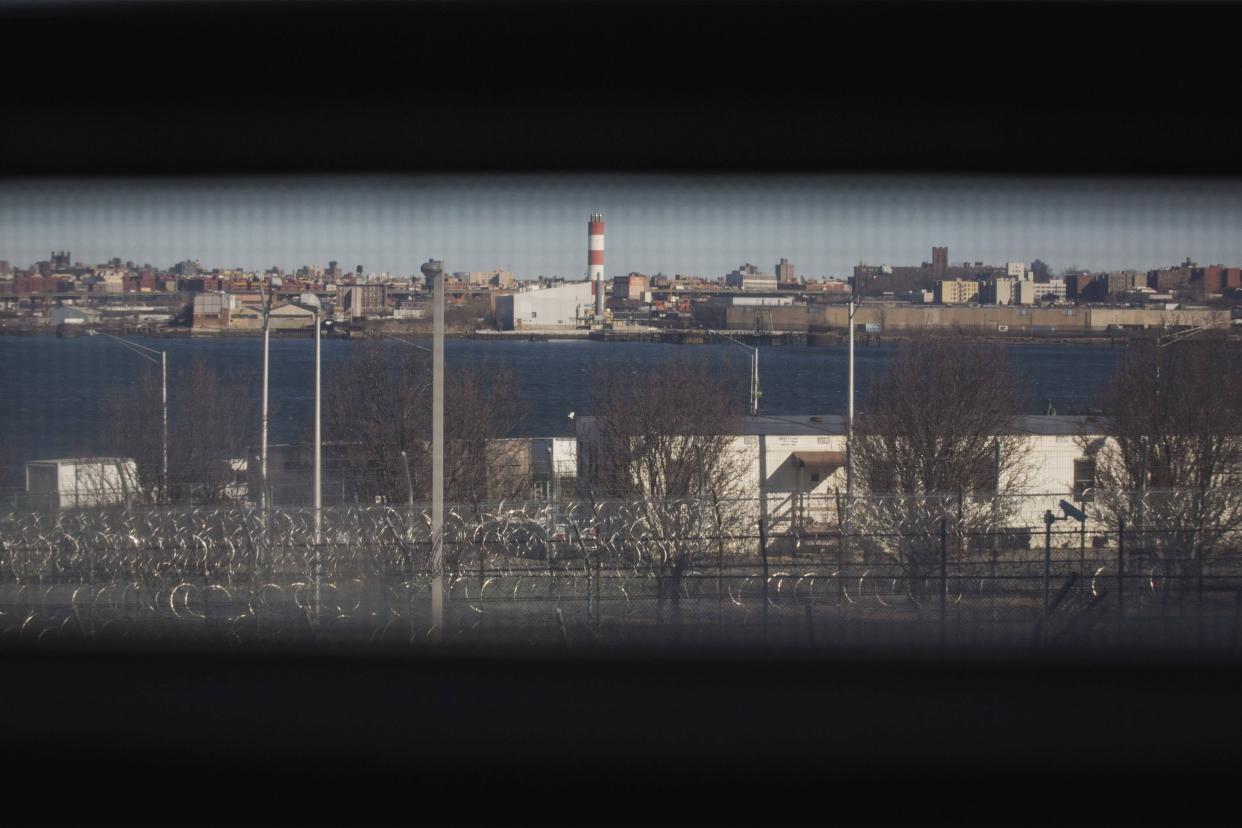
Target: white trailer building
{"type": "Point", "coordinates": [82, 483]}
{"type": "Point", "coordinates": [801, 461]}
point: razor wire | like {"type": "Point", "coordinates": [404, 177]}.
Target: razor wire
{"type": "Point", "coordinates": [363, 572]}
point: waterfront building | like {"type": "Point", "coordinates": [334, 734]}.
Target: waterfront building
{"type": "Point", "coordinates": [1056, 288]}
{"type": "Point", "coordinates": [998, 291]}
{"type": "Point", "coordinates": [363, 301]}
{"type": "Point", "coordinates": [785, 272]}
{"type": "Point", "coordinates": [633, 287]}
{"type": "Point", "coordinates": [748, 277]}
{"type": "Point", "coordinates": [562, 306]}
{"type": "Point", "coordinates": [956, 292]}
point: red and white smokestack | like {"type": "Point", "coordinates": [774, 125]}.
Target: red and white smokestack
{"type": "Point", "coordinates": [595, 259]}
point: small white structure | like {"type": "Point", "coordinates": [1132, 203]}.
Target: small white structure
{"type": "Point", "coordinates": [66, 315]}
{"type": "Point", "coordinates": [82, 483]}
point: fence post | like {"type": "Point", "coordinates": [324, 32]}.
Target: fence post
{"type": "Point", "coordinates": [598, 573]}
{"type": "Point", "coordinates": [763, 555]}
{"type": "Point", "coordinates": [1043, 626]}
{"type": "Point", "coordinates": [1121, 573]}
{"type": "Point", "coordinates": [1237, 614]}
{"type": "Point", "coordinates": [1082, 546]}
{"type": "Point", "coordinates": [944, 574]}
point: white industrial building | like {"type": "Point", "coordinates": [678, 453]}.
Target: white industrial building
{"type": "Point", "coordinates": [555, 307]}
{"type": "Point", "coordinates": [802, 459]}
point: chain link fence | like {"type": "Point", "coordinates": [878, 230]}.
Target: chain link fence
{"type": "Point", "coordinates": [876, 572]}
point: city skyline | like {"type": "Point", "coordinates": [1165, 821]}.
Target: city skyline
{"type": "Point", "coordinates": [535, 225]}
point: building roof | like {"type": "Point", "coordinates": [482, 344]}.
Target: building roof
{"type": "Point", "coordinates": [802, 424]}
{"type": "Point", "coordinates": [792, 425]}
{"type": "Point", "coordinates": [80, 461]}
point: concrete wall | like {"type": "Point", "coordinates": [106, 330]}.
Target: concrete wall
{"type": "Point", "coordinates": [909, 319]}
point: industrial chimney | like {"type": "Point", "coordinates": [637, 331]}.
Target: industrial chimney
{"type": "Point", "coordinates": [595, 260]}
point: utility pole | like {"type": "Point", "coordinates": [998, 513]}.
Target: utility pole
{"type": "Point", "coordinates": [434, 270]}
{"type": "Point", "coordinates": [318, 437]}
{"type": "Point", "coordinates": [755, 393]}
{"type": "Point", "coordinates": [164, 440]}
{"type": "Point", "coordinates": [318, 468]}
{"type": "Point", "coordinates": [849, 416]}
{"type": "Point", "coordinates": [267, 313]}
{"type": "Point", "coordinates": [409, 534]}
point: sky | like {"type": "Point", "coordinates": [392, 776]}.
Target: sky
{"type": "Point", "coordinates": [704, 226]}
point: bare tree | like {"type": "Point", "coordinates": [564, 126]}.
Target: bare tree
{"type": "Point", "coordinates": [132, 427]}
{"type": "Point", "coordinates": [938, 439]}
{"type": "Point", "coordinates": [664, 444]}
{"type": "Point", "coordinates": [1169, 463]}
{"type": "Point", "coordinates": [10, 475]}
{"type": "Point", "coordinates": [210, 423]}
{"type": "Point", "coordinates": [379, 405]}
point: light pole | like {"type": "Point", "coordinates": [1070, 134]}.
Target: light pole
{"type": "Point", "coordinates": [755, 393]}
{"type": "Point", "coordinates": [849, 417]}
{"type": "Point", "coordinates": [1162, 341]}
{"type": "Point", "coordinates": [318, 466]}
{"type": "Point", "coordinates": [318, 436]}
{"type": "Point", "coordinates": [849, 404]}
{"type": "Point", "coordinates": [149, 355]}
{"type": "Point", "coordinates": [433, 270]}
{"type": "Point", "coordinates": [267, 312]}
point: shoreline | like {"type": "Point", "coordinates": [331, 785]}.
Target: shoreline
{"type": "Point", "coordinates": [792, 339]}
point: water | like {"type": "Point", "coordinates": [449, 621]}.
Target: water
{"type": "Point", "coordinates": [51, 390]}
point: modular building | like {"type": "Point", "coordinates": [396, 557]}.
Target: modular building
{"type": "Point", "coordinates": [799, 463]}
{"type": "Point", "coordinates": [82, 483]}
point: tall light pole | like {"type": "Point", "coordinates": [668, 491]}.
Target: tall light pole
{"type": "Point", "coordinates": [318, 439]}
{"type": "Point", "coordinates": [849, 414]}
{"type": "Point", "coordinates": [164, 436]}
{"type": "Point", "coordinates": [149, 355]}
{"type": "Point", "coordinates": [1162, 341]}
{"type": "Point", "coordinates": [434, 271]}
{"type": "Point", "coordinates": [755, 393]}
{"type": "Point", "coordinates": [267, 313]}
{"type": "Point", "coordinates": [318, 467]}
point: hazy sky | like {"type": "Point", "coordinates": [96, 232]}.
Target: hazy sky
{"type": "Point", "coordinates": [693, 225]}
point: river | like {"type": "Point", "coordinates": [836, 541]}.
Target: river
{"type": "Point", "coordinates": [51, 389]}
